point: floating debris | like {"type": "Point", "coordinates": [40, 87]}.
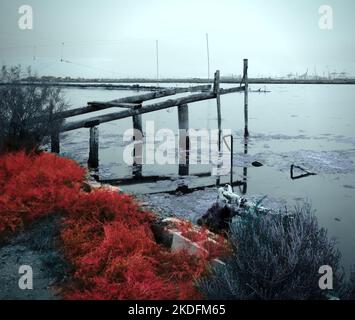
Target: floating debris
{"type": "Point", "coordinates": [305, 173]}
{"type": "Point", "coordinates": [257, 164]}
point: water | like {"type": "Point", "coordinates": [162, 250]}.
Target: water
{"type": "Point", "coordinates": [307, 125]}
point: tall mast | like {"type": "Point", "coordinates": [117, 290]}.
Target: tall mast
{"type": "Point", "coordinates": [208, 57]}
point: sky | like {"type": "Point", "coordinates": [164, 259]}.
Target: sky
{"type": "Point", "coordinates": [114, 38]}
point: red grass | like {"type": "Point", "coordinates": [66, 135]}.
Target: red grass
{"type": "Point", "coordinates": [116, 257]}
{"type": "Point", "coordinates": [216, 245]}
{"type": "Point", "coordinates": [32, 186]}
{"type": "Point", "coordinates": [106, 237]}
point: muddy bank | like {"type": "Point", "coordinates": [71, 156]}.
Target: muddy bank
{"type": "Point", "coordinates": [320, 162]}
{"type": "Point", "coordinates": [194, 205]}
{"type": "Point", "coordinates": [35, 247]}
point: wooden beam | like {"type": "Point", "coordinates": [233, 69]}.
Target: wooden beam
{"type": "Point", "coordinates": [148, 108]}
{"type": "Point", "coordinates": [138, 99]}
{"type": "Point", "coordinates": [115, 105]}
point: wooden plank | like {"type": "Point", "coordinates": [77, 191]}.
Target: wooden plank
{"type": "Point", "coordinates": [138, 99]}
{"type": "Point", "coordinates": [115, 105]}
{"type": "Point", "coordinates": [149, 108]}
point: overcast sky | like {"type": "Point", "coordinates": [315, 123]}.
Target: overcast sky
{"type": "Point", "coordinates": [105, 38]}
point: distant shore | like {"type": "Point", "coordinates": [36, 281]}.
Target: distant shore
{"type": "Point", "coordinates": [117, 83]}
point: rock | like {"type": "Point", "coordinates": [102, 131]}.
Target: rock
{"type": "Point", "coordinates": [217, 218]}
{"type": "Point", "coordinates": [86, 187]}
{"type": "Point", "coordinates": [168, 234]}
{"type": "Point", "coordinates": [257, 164]}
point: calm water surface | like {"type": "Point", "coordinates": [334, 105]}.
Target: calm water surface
{"type": "Point", "coordinates": [309, 125]}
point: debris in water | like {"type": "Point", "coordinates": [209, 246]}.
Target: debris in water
{"type": "Point", "coordinates": [305, 174]}
{"type": "Point", "coordinates": [217, 218]}
{"type": "Point", "coordinates": [228, 206]}
{"type": "Point", "coordinates": [257, 164]}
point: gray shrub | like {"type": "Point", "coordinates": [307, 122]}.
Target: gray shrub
{"type": "Point", "coordinates": [26, 111]}
{"type": "Point", "coordinates": [276, 257]}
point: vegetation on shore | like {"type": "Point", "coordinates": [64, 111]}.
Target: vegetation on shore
{"type": "Point", "coordinates": [278, 257]}
{"type": "Point", "coordinates": [107, 238]}
{"type": "Point", "coordinates": [26, 112]}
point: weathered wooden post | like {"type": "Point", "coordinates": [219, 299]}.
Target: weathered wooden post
{"type": "Point", "coordinates": [219, 114]}
{"type": "Point", "coordinates": [245, 169]}
{"type": "Point", "coordinates": [246, 98]}
{"type": "Point", "coordinates": [55, 142]}
{"type": "Point", "coordinates": [138, 146]}
{"type": "Point", "coordinates": [216, 90]}
{"type": "Point", "coordinates": [232, 161]}
{"type": "Point", "coordinates": [93, 161]}
{"type": "Point", "coordinates": [184, 140]}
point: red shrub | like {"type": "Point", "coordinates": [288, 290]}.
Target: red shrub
{"type": "Point", "coordinates": [33, 186]}
{"type": "Point", "coordinates": [116, 257]}
{"type": "Point", "coordinates": [216, 245]}
{"type": "Point", "coordinates": [106, 236]}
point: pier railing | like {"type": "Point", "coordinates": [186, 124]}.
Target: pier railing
{"type": "Point", "coordinates": [133, 108]}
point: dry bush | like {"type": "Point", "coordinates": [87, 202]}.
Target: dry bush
{"type": "Point", "coordinates": [276, 257]}
{"type": "Point", "coordinates": [26, 111]}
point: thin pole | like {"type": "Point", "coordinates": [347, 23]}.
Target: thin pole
{"type": "Point", "coordinates": [157, 56]}
{"type": "Point", "coordinates": [245, 169]}
{"type": "Point", "coordinates": [34, 53]}
{"type": "Point", "coordinates": [232, 162]}
{"type": "Point", "coordinates": [219, 114]}
{"type": "Point", "coordinates": [208, 57]}
{"type": "Point", "coordinates": [62, 52]}
{"type": "Point", "coordinates": [218, 99]}
{"type": "Point", "coordinates": [246, 99]}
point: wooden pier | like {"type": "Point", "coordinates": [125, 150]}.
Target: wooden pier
{"type": "Point", "coordinates": [133, 108]}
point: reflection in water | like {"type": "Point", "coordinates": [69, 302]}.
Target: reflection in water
{"type": "Point", "coordinates": [324, 129]}
{"type": "Point", "coordinates": [137, 154]}
{"type": "Point", "coordinates": [184, 153]}
{"type": "Point", "coordinates": [244, 186]}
